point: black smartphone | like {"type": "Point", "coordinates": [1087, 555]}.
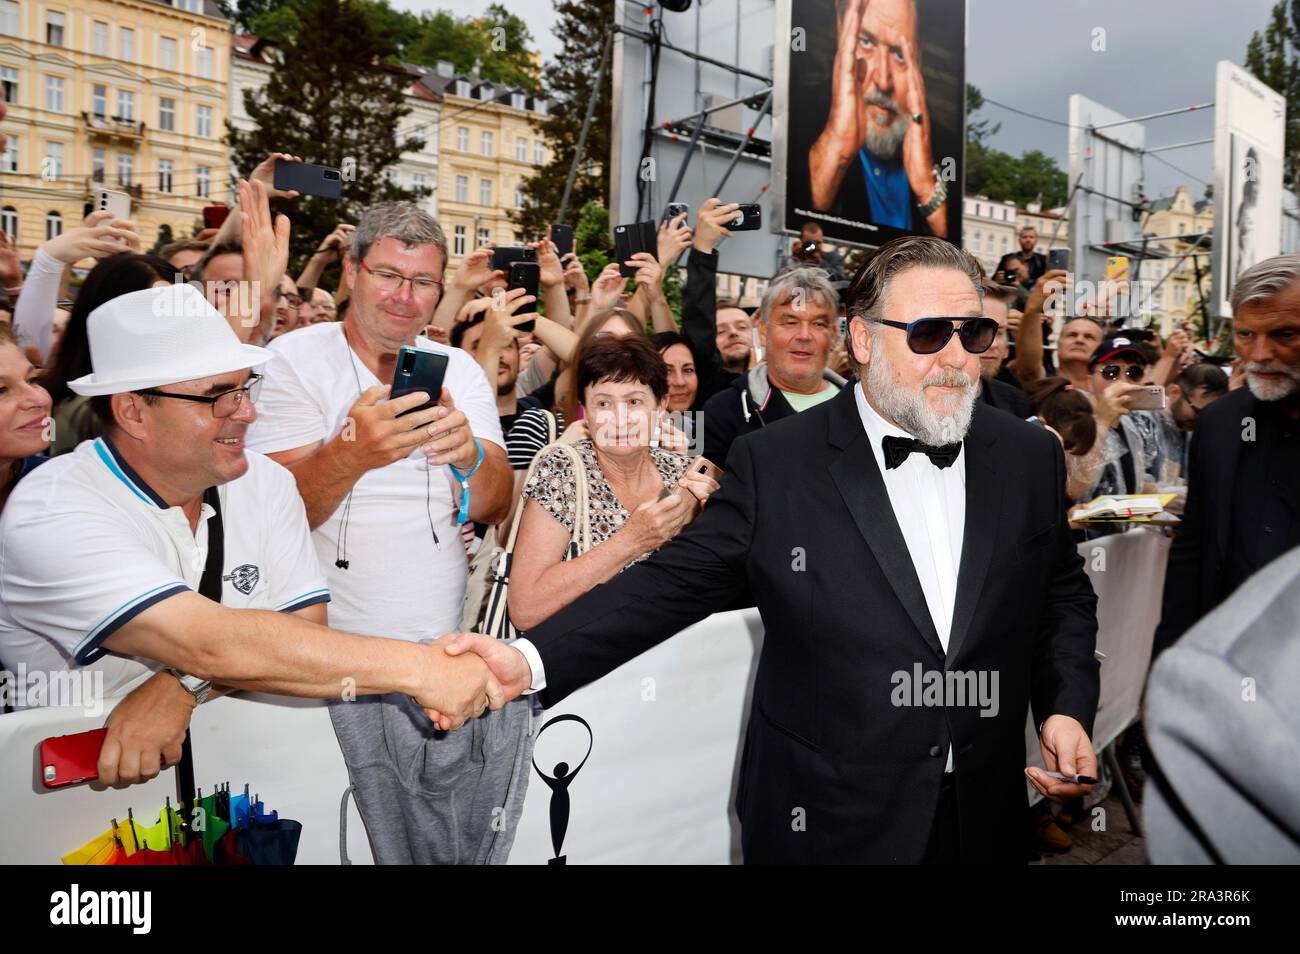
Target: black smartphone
{"type": "Point", "coordinates": [1058, 258]}
{"type": "Point", "coordinates": [675, 209]}
{"type": "Point", "coordinates": [562, 239]}
{"type": "Point", "coordinates": [419, 369]}
{"type": "Point", "coordinates": [633, 238]}
{"type": "Point", "coordinates": [749, 216]}
{"type": "Point", "coordinates": [525, 275]}
{"type": "Point", "coordinates": [504, 255]}
{"type": "Point", "coordinates": [307, 178]}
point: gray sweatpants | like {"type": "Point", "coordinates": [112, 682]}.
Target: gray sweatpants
{"type": "Point", "coordinates": [430, 797]}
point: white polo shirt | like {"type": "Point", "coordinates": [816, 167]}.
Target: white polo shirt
{"type": "Point", "coordinates": [400, 581]}
{"type": "Point", "coordinates": [86, 545]}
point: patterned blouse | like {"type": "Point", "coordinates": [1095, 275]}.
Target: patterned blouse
{"type": "Point", "coordinates": [553, 486]}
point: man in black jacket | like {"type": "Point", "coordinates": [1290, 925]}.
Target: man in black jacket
{"type": "Point", "coordinates": [903, 541]}
{"type": "Point", "coordinates": [799, 327]}
{"type": "Point", "coordinates": [720, 338]}
{"type": "Point", "coordinates": [1243, 497]}
{"type": "Point", "coordinates": [994, 392]}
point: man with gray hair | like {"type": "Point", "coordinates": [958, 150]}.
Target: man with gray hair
{"type": "Point", "coordinates": [898, 537]}
{"type": "Point", "coordinates": [387, 484]}
{"type": "Point", "coordinates": [798, 327]}
{"type": "Point", "coordinates": [1243, 508]}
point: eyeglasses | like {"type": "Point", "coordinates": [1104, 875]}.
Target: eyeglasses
{"type": "Point", "coordinates": [1133, 372]}
{"type": "Point", "coordinates": [293, 300]}
{"type": "Point", "coordinates": [931, 335]}
{"type": "Point", "coordinates": [390, 282]}
{"type": "Point", "coordinates": [224, 404]}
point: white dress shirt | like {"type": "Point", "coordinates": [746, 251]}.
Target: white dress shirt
{"type": "Point", "coordinates": [929, 503]}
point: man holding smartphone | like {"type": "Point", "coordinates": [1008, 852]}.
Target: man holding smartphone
{"type": "Point", "coordinates": [386, 494]}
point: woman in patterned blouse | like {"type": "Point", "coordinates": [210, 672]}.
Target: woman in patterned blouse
{"type": "Point", "coordinates": [639, 495]}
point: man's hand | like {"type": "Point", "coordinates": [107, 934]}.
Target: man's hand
{"type": "Point", "coordinates": [846, 123]}
{"type": "Point", "coordinates": [1113, 403]}
{"type": "Point", "coordinates": [508, 664]}
{"type": "Point", "coordinates": [1177, 344]}
{"type": "Point", "coordinates": [378, 435]}
{"type": "Point", "coordinates": [1066, 749]}
{"type": "Point", "coordinates": [99, 237]}
{"type": "Point", "coordinates": [607, 290]}
{"type": "Point", "coordinates": [458, 689]}
{"type": "Point", "coordinates": [649, 274]}
{"type": "Point", "coordinates": [551, 272]}
{"type": "Point", "coordinates": [674, 238]}
{"type": "Point", "coordinates": [711, 223]}
{"type": "Point", "coordinates": [453, 441]}
{"type": "Point", "coordinates": [265, 244]}
{"type": "Point", "coordinates": [575, 276]}
{"type": "Point", "coordinates": [265, 174]}
{"type": "Point", "coordinates": [918, 157]}
{"type": "Point", "coordinates": [499, 320]}
{"type": "Point", "coordinates": [11, 269]}
{"type": "Point", "coordinates": [1049, 296]}
{"type": "Point", "coordinates": [145, 731]}
{"type": "Point", "coordinates": [476, 271]}
{"type": "Point", "coordinates": [336, 242]}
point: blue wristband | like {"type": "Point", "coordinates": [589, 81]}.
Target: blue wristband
{"type": "Point", "coordinates": [463, 515]}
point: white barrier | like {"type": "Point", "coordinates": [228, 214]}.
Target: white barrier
{"type": "Point", "coordinates": [666, 731]}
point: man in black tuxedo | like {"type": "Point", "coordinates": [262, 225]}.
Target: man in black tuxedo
{"type": "Point", "coordinates": [1243, 491]}
{"type": "Point", "coordinates": [898, 536]}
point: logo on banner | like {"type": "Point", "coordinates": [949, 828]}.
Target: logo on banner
{"type": "Point", "coordinates": [558, 783]}
{"type": "Point", "coordinates": [244, 577]}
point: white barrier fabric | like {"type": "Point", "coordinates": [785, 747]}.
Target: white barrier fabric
{"type": "Point", "coordinates": [665, 737]}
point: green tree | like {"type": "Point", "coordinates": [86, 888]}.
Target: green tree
{"type": "Point", "coordinates": [164, 238]}
{"type": "Point", "coordinates": [496, 46]}
{"type": "Point", "coordinates": [1032, 177]}
{"type": "Point", "coordinates": [332, 101]}
{"type": "Point", "coordinates": [1274, 58]}
{"type": "Point", "coordinates": [569, 82]}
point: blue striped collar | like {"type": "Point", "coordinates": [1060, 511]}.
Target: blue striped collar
{"type": "Point", "coordinates": [124, 472]}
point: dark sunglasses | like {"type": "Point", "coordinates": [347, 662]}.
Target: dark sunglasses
{"type": "Point", "coordinates": [1133, 372]}
{"type": "Point", "coordinates": [931, 335]}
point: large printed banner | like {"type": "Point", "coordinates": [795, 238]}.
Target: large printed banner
{"type": "Point", "coordinates": [870, 110]}
{"type": "Point", "coordinates": [1249, 139]}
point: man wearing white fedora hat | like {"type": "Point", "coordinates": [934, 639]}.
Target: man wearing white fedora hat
{"type": "Point", "coordinates": [184, 559]}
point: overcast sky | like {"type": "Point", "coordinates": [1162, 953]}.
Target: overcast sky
{"type": "Point", "coordinates": [1160, 54]}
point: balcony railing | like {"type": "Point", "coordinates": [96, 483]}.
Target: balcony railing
{"type": "Point", "coordinates": [114, 128]}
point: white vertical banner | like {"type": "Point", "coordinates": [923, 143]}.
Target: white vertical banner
{"type": "Point", "coordinates": [1249, 139]}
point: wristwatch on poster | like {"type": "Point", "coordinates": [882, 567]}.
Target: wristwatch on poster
{"type": "Point", "coordinates": [937, 199]}
{"type": "Point", "coordinates": [198, 688]}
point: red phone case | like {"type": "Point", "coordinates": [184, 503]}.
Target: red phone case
{"type": "Point", "coordinates": [69, 759]}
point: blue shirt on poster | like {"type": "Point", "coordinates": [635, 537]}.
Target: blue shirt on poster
{"type": "Point", "coordinates": [887, 191]}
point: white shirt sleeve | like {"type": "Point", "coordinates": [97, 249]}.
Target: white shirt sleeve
{"type": "Point", "coordinates": [287, 415]}
{"type": "Point", "coordinates": [34, 313]}
{"type": "Point", "coordinates": [77, 596]}
{"type": "Point", "coordinates": [534, 658]}
{"type": "Point", "coordinates": [297, 580]}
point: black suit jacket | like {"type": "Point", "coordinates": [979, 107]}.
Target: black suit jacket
{"type": "Point", "coordinates": [1005, 397]}
{"type": "Point", "coordinates": [1195, 582]}
{"type": "Point", "coordinates": [804, 519]}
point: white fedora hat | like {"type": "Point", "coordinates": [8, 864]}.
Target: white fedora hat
{"type": "Point", "coordinates": [159, 336]}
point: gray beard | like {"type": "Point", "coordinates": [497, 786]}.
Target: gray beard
{"type": "Point", "coordinates": [913, 413]}
{"type": "Point", "coordinates": [885, 142]}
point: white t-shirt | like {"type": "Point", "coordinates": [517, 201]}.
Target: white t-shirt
{"type": "Point", "coordinates": [399, 581]}
{"type": "Point", "coordinates": [86, 545]}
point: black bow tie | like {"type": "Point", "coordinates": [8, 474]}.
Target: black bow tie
{"type": "Point", "coordinates": [897, 449]}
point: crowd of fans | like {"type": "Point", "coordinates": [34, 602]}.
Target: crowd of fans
{"type": "Point", "coordinates": [592, 415]}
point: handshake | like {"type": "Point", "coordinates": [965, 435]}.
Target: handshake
{"type": "Point", "coordinates": [467, 673]}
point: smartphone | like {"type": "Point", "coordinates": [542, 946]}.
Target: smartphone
{"type": "Point", "coordinates": [675, 209]}
{"type": "Point", "coordinates": [308, 178]}
{"type": "Point", "coordinates": [214, 216]}
{"type": "Point", "coordinates": [525, 275]}
{"type": "Point", "coordinates": [1150, 398]}
{"type": "Point", "coordinates": [562, 238]}
{"type": "Point", "coordinates": [419, 369]}
{"type": "Point", "coordinates": [749, 216]}
{"type": "Point", "coordinates": [119, 203]}
{"type": "Point", "coordinates": [504, 255]}
{"type": "Point", "coordinates": [633, 238]}
{"type": "Point", "coordinates": [70, 759]}
{"type": "Point", "coordinates": [1058, 258]}
{"type": "Point", "coordinates": [702, 465]}
{"type": "Point", "coordinates": [1117, 268]}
